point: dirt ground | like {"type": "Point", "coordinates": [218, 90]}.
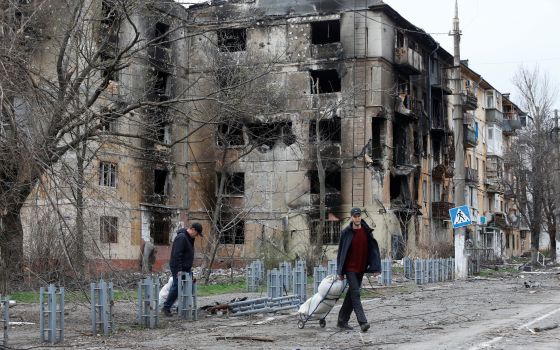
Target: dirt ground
{"type": "Point", "coordinates": [505, 311]}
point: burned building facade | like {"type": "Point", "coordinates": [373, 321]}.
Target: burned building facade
{"type": "Point", "coordinates": [319, 107]}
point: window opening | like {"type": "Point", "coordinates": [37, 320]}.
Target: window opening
{"type": "Point", "coordinates": [399, 190]}
{"type": "Point", "coordinates": [160, 182]}
{"type": "Point", "coordinates": [378, 132]}
{"type": "Point", "coordinates": [232, 39]}
{"type": "Point", "coordinates": [329, 130]}
{"type": "Point", "coordinates": [325, 32]}
{"type": "Point", "coordinates": [267, 134]}
{"type": "Point", "coordinates": [108, 174]}
{"type": "Point", "coordinates": [160, 35]}
{"type": "Point", "coordinates": [108, 229]}
{"type": "Point", "coordinates": [235, 184]}
{"type": "Point", "coordinates": [232, 232]}
{"type": "Point", "coordinates": [229, 134]}
{"type": "Point", "coordinates": [325, 81]}
{"type": "Point", "coordinates": [400, 143]}
{"type": "Point", "coordinates": [333, 182]}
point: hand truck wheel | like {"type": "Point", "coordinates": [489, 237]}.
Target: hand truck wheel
{"type": "Point", "coordinates": [322, 323]}
{"type": "Point", "coordinates": [300, 324]}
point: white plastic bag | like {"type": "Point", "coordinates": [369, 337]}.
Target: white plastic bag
{"type": "Point", "coordinates": [331, 287]}
{"type": "Point", "coordinates": [164, 291]}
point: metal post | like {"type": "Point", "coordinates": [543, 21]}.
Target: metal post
{"type": "Point", "coordinates": [332, 267]}
{"type": "Point", "coordinates": [53, 311]}
{"type": "Point", "coordinates": [458, 125]}
{"type": "Point", "coordinates": [148, 304]}
{"type": "Point", "coordinates": [5, 303]}
{"type": "Point", "coordinates": [319, 273]}
{"type": "Point", "coordinates": [186, 297]}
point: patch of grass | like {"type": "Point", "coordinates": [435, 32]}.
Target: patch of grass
{"type": "Point", "coordinates": [25, 297]}
{"type": "Point", "coordinates": [213, 289]}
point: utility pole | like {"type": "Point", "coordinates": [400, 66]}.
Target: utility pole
{"type": "Point", "coordinates": [458, 126]}
{"type": "Point", "coordinates": [556, 139]}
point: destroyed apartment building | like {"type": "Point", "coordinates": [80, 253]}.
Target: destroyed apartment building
{"type": "Point", "coordinates": [266, 121]}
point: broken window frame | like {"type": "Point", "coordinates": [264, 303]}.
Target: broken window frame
{"type": "Point", "coordinates": [325, 32]}
{"type": "Point", "coordinates": [108, 229]}
{"type": "Point", "coordinates": [330, 130]}
{"type": "Point", "coordinates": [108, 174]}
{"type": "Point", "coordinates": [234, 186]}
{"type": "Point", "coordinates": [161, 35]}
{"type": "Point", "coordinates": [234, 234]}
{"type": "Point", "coordinates": [232, 39]}
{"type": "Point", "coordinates": [317, 78]}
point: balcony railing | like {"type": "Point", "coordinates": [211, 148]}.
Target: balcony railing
{"type": "Point", "coordinates": [409, 60]}
{"type": "Point", "coordinates": [470, 101]}
{"type": "Point", "coordinates": [494, 116]}
{"type": "Point", "coordinates": [440, 210]}
{"type": "Point", "coordinates": [510, 125]}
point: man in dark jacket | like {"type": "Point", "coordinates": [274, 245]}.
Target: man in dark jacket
{"type": "Point", "coordinates": [358, 253]}
{"type": "Point", "coordinates": [181, 260]}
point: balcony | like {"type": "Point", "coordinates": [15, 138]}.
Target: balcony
{"type": "Point", "coordinates": [469, 136]}
{"type": "Point", "coordinates": [470, 101]}
{"type": "Point", "coordinates": [510, 125]}
{"type": "Point", "coordinates": [494, 185]}
{"type": "Point", "coordinates": [409, 61]}
{"type": "Point", "coordinates": [494, 116]}
{"type": "Point", "coordinates": [440, 83]}
{"type": "Point", "coordinates": [440, 210]}
{"type": "Point", "coordinates": [500, 220]}
{"type": "Point", "coordinates": [471, 175]}
{"type": "Point", "coordinates": [326, 51]}
{"type": "Point", "coordinates": [407, 106]}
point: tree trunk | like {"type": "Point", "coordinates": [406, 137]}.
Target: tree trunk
{"type": "Point", "coordinates": [322, 195]}
{"type": "Point", "coordinates": [11, 248]}
{"type": "Point", "coordinates": [212, 247]}
{"type": "Point", "coordinates": [80, 258]}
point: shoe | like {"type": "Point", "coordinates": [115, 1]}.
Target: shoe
{"type": "Point", "coordinates": [364, 327]}
{"type": "Point", "coordinates": [166, 312]}
{"type": "Point", "coordinates": [344, 326]}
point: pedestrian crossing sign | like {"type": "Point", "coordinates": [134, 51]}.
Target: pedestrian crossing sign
{"type": "Point", "coordinates": [460, 216]}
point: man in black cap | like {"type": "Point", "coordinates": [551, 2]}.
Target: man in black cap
{"type": "Point", "coordinates": [358, 253]}
{"type": "Point", "coordinates": [181, 260]}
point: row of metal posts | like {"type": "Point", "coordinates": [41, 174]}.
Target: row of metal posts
{"type": "Point", "coordinates": [433, 270]}
{"type": "Point", "coordinates": [280, 280]}
{"type": "Point", "coordinates": [421, 270]}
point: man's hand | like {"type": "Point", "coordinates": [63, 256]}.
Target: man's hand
{"type": "Point", "coordinates": [375, 274]}
{"type": "Point", "coordinates": [341, 277]}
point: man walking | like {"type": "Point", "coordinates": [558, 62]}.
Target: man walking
{"type": "Point", "coordinates": [358, 253]}
{"type": "Point", "coordinates": [181, 260]}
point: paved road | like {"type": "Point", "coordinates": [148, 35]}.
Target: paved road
{"type": "Point", "coordinates": [466, 315]}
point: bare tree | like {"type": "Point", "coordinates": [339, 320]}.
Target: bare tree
{"type": "Point", "coordinates": [59, 65]}
{"type": "Point", "coordinates": [529, 158]}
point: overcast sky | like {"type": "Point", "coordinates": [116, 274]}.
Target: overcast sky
{"type": "Point", "coordinates": [498, 35]}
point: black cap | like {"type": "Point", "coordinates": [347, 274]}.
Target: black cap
{"type": "Point", "coordinates": [198, 228]}
{"type": "Point", "coordinates": [355, 211]}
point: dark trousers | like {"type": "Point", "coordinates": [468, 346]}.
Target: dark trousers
{"type": "Point", "coordinates": [352, 301]}
{"type": "Point", "coordinates": [173, 291]}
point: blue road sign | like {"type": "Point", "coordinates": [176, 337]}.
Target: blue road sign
{"type": "Point", "coordinates": [460, 216]}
